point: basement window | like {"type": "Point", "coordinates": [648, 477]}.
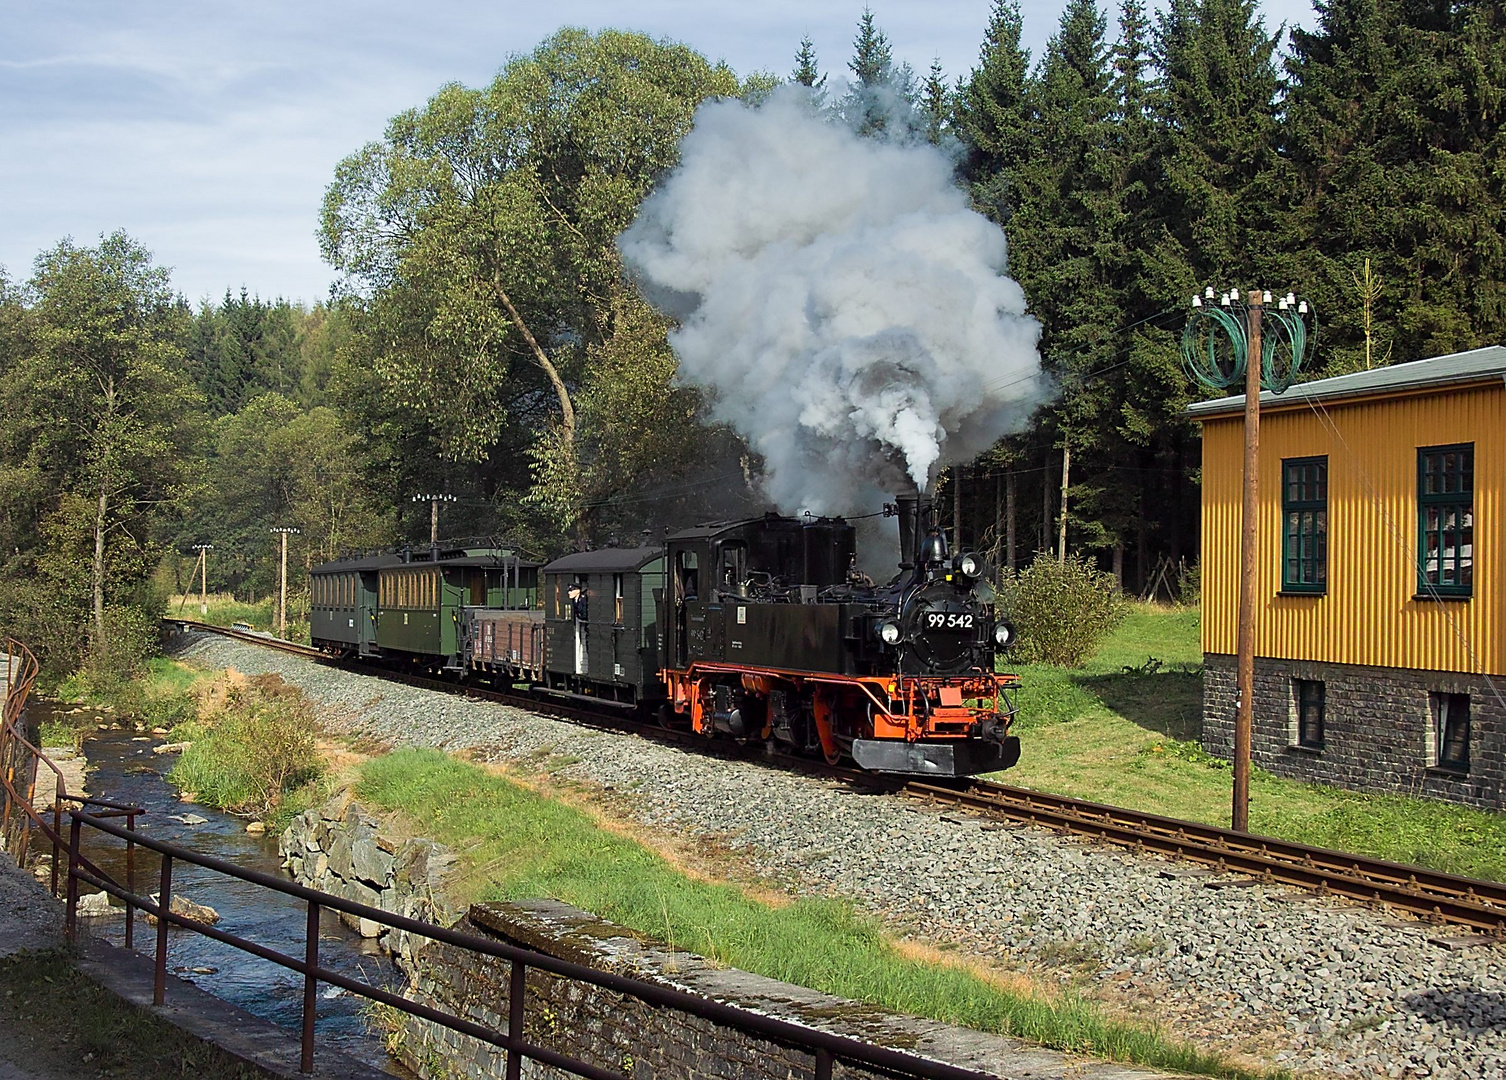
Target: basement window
{"type": "Point", "coordinates": [1450, 731]}
{"type": "Point", "coordinates": [1304, 534]}
{"type": "Point", "coordinates": [1310, 712]}
{"type": "Point", "coordinates": [1446, 520]}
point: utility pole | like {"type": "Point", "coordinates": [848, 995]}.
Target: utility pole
{"type": "Point", "coordinates": [957, 507]}
{"type": "Point", "coordinates": [203, 550]}
{"type": "Point", "coordinates": [1009, 514]}
{"type": "Point", "coordinates": [1222, 347]}
{"type": "Point", "coordinates": [1248, 541]}
{"type": "Point", "coordinates": [282, 592]}
{"type": "Point", "coordinates": [434, 501]}
{"type": "Point", "coordinates": [1061, 539]}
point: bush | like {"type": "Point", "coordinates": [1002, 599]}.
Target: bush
{"type": "Point", "coordinates": [1061, 609]}
{"type": "Point", "coordinates": [252, 744]}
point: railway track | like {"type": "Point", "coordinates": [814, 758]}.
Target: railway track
{"type": "Point", "coordinates": [1442, 898]}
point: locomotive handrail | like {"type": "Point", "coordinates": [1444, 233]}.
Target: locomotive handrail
{"type": "Point", "coordinates": [825, 1047]}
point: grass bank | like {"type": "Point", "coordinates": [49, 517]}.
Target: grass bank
{"type": "Point", "coordinates": [251, 739]}
{"type": "Point", "coordinates": [55, 1022]}
{"type": "Point", "coordinates": [226, 610]}
{"type": "Point", "coordinates": [518, 844]}
{"type": "Point", "coordinates": [1125, 728]}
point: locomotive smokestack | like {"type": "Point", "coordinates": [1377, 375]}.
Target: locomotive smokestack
{"type": "Point", "coordinates": [914, 511]}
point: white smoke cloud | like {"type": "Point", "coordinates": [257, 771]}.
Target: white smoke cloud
{"type": "Point", "coordinates": [845, 307]}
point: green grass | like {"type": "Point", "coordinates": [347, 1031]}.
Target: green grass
{"type": "Point", "coordinates": [226, 610]}
{"type": "Point", "coordinates": [1131, 738]}
{"type": "Point", "coordinates": [517, 844]}
{"type": "Point", "coordinates": [55, 1022]}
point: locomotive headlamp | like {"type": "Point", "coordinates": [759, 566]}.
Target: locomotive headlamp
{"type": "Point", "coordinates": [888, 632]}
{"type": "Point", "coordinates": [1003, 635]}
{"type": "Point", "coordinates": [968, 565]}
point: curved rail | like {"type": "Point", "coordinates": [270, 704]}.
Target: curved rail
{"type": "Point", "coordinates": [1431, 894]}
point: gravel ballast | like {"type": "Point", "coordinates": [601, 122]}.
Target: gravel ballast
{"type": "Point", "coordinates": [1283, 977]}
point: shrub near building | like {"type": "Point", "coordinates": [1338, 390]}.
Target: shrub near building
{"type": "Point", "coordinates": [1062, 610]}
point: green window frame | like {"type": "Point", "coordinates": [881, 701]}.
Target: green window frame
{"type": "Point", "coordinates": [1304, 525]}
{"type": "Point", "coordinates": [1446, 520]}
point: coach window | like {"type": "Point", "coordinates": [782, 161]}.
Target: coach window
{"type": "Point", "coordinates": [617, 599]}
{"type": "Point", "coordinates": [1450, 731]}
{"type": "Point", "coordinates": [1446, 520]}
{"type": "Point", "coordinates": [1309, 695]}
{"type": "Point", "coordinates": [1304, 535]}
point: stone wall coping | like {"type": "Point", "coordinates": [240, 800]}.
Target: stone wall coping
{"type": "Point", "coordinates": [568, 933]}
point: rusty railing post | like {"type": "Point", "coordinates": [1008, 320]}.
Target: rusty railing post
{"type": "Point", "coordinates": [57, 831]}
{"type": "Point", "coordinates": [164, 903]}
{"type": "Point", "coordinates": [515, 1020]}
{"type": "Point", "coordinates": [310, 987]}
{"type": "Point", "coordinates": [70, 921]}
{"type": "Point", "coordinates": [823, 1065]}
{"type": "Point", "coordinates": [130, 935]}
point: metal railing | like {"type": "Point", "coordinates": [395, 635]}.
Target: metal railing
{"type": "Point", "coordinates": [823, 1047]}
{"type": "Point", "coordinates": [20, 763]}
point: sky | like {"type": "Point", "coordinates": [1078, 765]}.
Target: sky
{"type": "Point", "coordinates": [209, 131]}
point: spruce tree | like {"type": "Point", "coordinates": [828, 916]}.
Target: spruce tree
{"type": "Point", "coordinates": [806, 72]}
{"type": "Point", "coordinates": [994, 114]}
{"type": "Point", "coordinates": [937, 104]}
{"type": "Point", "coordinates": [1397, 215]}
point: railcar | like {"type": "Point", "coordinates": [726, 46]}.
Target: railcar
{"type": "Point", "coordinates": [416, 607]}
{"type": "Point", "coordinates": [771, 634]}
{"type": "Point", "coordinates": [751, 630]}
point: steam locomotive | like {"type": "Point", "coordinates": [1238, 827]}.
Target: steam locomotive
{"type": "Point", "coordinates": [750, 630]}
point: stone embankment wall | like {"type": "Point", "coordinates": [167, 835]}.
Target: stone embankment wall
{"type": "Point", "coordinates": [626, 1035]}
{"type": "Point", "coordinates": [339, 848]}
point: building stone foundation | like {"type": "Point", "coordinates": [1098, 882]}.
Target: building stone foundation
{"type": "Point", "coordinates": [1378, 727]}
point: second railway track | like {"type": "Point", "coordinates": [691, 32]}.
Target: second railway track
{"type": "Point", "coordinates": [1444, 898]}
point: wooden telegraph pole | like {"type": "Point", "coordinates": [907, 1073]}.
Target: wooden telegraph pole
{"type": "Point", "coordinates": [203, 550]}
{"type": "Point", "coordinates": [1215, 342]}
{"type": "Point", "coordinates": [282, 591]}
{"type": "Point", "coordinates": [1248, 542]}
{"type": "Point", "coordinates": [1061, 539]}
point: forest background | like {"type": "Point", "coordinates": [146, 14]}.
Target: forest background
{"type": "Point", "coordinates": [485, 343]}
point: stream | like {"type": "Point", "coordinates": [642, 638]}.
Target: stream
{"type": "Point", "coordinates": [122, 768]}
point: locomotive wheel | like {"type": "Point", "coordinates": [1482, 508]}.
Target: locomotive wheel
{"type": "Point", "coordinates": [833, 757]}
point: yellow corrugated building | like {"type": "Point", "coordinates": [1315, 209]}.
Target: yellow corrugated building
{"type": "Point", "coordinates": [1381, 577]}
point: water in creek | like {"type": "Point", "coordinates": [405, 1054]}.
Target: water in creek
{"type": "Point", "coordinates": [122, 768]}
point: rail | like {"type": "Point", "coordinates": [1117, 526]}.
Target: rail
{"type": "Point", "coordinates": [1432, 894]}
{"type": "Point", "coordinates": [19, 764]}
{"type": "Point", "coordinates": [824, 1048]}
{"type": "Point", "coordinates": [1445, 898]}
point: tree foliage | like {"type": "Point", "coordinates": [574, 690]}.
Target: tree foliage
{"type": "Point", "coordinates": [478, 237]}
{"type": "Point", "coordinates": [99, 444]}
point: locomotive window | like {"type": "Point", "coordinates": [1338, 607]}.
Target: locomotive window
{"type": "Point", "coordinates": [734, 566]}
{"type": "Point", "coordinates": [688, 575]}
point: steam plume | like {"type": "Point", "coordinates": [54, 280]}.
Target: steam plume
{"type": "Point", "coordinates": [840, 300]}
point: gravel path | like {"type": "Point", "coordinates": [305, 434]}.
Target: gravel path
{"type": "Point", "coordinates": [1319, 986]}
{"type": "Point", "coordinates": [30, 919]}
